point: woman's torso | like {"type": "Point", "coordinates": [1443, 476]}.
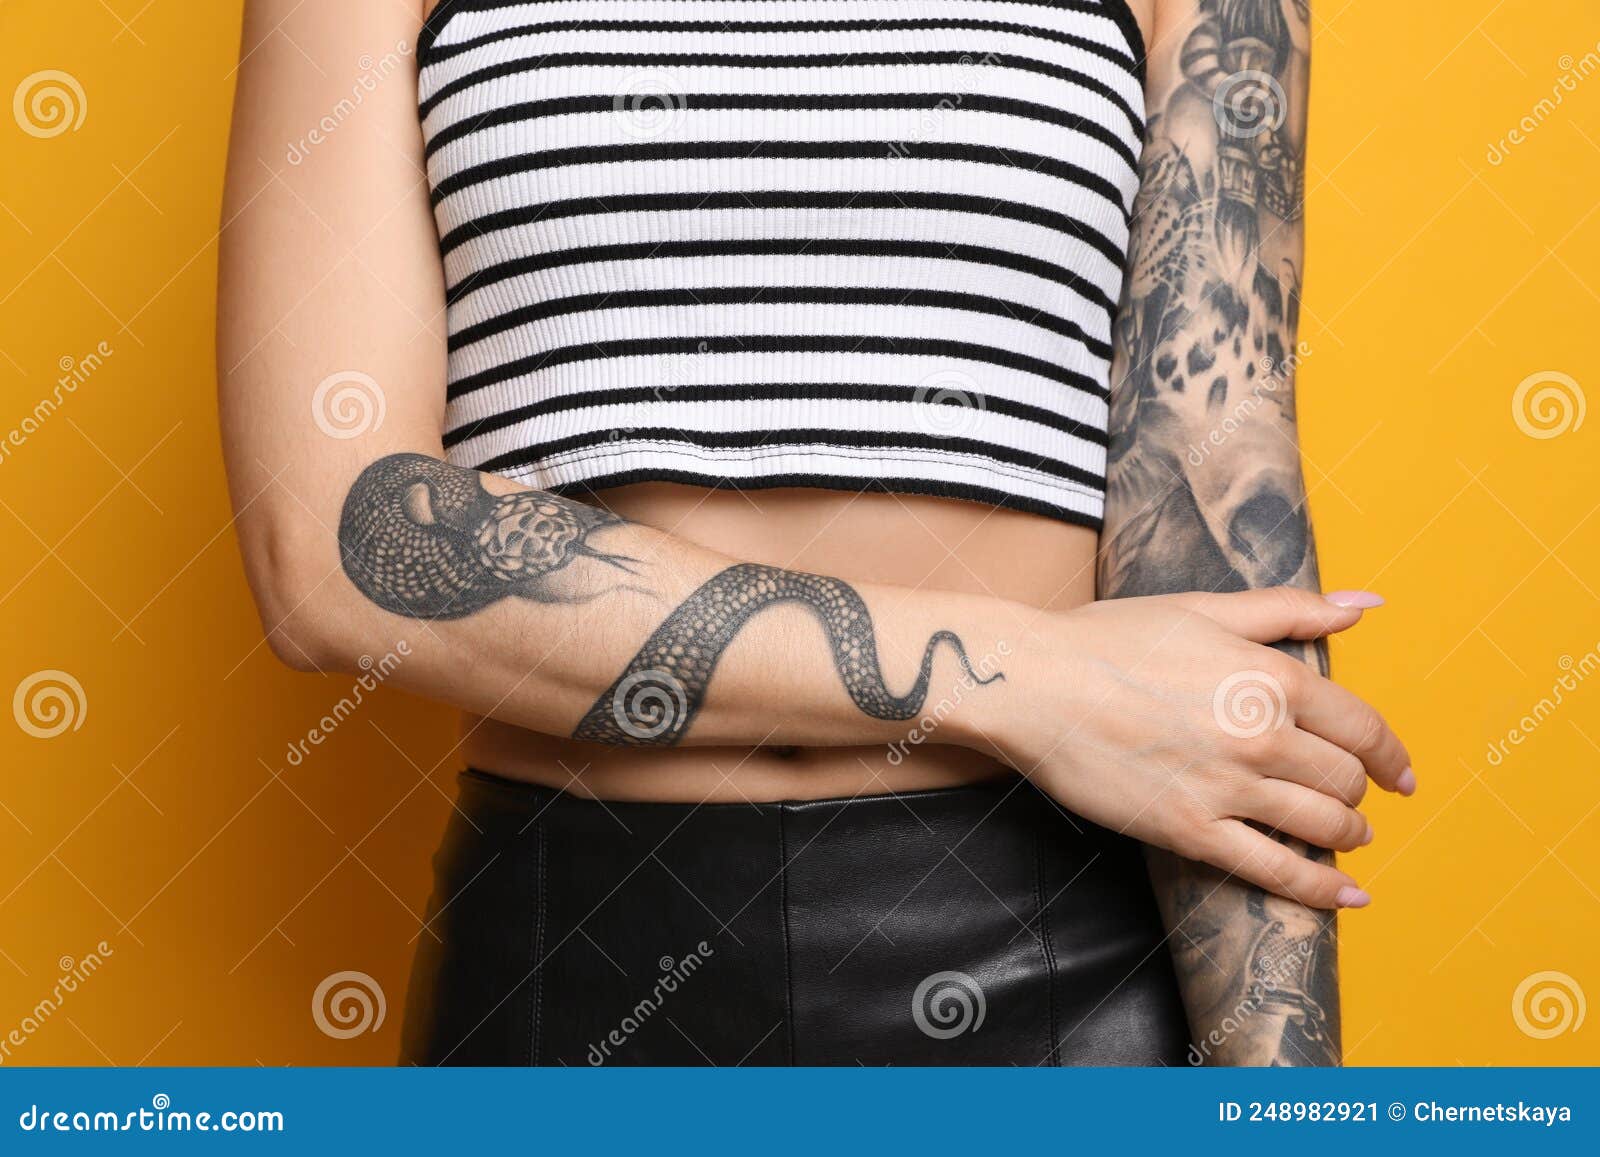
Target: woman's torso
{"type": "Point", "coordinates": [1048, 260]}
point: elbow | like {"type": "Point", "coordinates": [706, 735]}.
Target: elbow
{"type": "Point", "coordinates": [300, 649]}
{"type": "Point", "coordinates": [293, 584]}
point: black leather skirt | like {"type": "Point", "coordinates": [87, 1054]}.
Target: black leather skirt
{"type": "Point", "coordinates": [978, 925]}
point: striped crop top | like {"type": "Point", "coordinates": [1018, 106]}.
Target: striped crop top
{"type": "Point", "coordinates": [852, 244]}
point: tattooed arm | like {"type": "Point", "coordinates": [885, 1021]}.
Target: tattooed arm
{"type": "Point", "coordinates": [426, 540]}
{"type": "Point", "coordinates": [1204, 476]}
{"type": "Point", "coordinates": [357, 538]}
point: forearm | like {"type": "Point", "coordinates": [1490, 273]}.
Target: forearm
{"type": "Point", "coordinates": [556, 616]}
{"type": "Point", "coordinates": [1204, 479]}
{"type": "Point", "coordinates": [1258, 973]}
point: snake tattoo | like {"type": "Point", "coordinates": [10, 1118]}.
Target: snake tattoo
{"type": "Point", "coordinates": [655, 699]}
{"type": "Point", "coordinates": [424, 539]}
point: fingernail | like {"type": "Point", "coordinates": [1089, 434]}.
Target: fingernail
{"type": "Point", "coordinates": [1407, 783]}
{"type": "Point", "coordinates": [1367, 839]}
{"type": "Point", "coordinates": [1361, 600]}
{"type": "Point", "coordinates": [1349, 897]}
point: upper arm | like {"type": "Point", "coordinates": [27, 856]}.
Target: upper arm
{"type": "Point", "coordinates": [330, 345]}
{"type": "Point", "coordinates": [1204, 468]}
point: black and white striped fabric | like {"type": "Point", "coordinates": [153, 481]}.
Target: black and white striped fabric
{"type": "Point", "coordinates": [852, 244]}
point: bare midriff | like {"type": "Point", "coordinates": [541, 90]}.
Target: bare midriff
{"type": "Point", "coordinates": [902, 540]}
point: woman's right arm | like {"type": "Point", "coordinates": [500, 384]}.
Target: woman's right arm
{"type": "Point", "coordinates": [359, 540]}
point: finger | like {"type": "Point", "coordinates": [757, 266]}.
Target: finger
{"type": "Point", "coordinates": [1272, 614]}
{"type": "Point", "coordinates": [1324, 708]}
{"type": "Point", "coordinates": [1319, 820]}
{"type": "Point", "coordinates": [1239, 849]}
{"type": "Point", "coordinates": [1311, 761]}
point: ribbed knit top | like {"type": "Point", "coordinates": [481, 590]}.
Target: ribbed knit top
{"type": "Point", "coordinates": [853, 244]}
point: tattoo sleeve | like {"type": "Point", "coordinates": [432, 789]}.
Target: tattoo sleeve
{"type": "Point", "coordinates": [421, 538]}
{"type": "Point", "coordinates": [1204, 486]}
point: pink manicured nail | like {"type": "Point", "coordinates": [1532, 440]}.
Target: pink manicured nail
{"type": "Point", "coordinates": [1407, 783]}
{"type": "Point", "coordinates": [1361, 600]}
{"type": "Point", "coordinates": [1349, 897]}
{"type": "Point", "coordinates": [1367, 839]}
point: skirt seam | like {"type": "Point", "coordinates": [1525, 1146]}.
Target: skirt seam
{"type": "Point", "coordinates": [783, 916]}
{"type": "Point", "coordinates": [1053, 1053]}
{"type": "Point", "coordinates": [536, 996]}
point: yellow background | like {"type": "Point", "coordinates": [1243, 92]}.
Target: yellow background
{"type": "Point", "coordinates": [228, 884]}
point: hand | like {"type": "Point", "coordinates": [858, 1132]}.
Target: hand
{"type": "Point", "coordinates": [1168, 719]}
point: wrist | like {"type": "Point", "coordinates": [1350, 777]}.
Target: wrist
{"type": "Point", "coordinates": [987, 696]}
